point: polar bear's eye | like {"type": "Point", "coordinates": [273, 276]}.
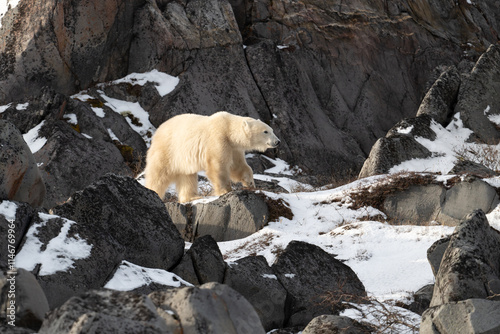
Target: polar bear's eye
{"type": "Point", "coordinates": [266, 131]}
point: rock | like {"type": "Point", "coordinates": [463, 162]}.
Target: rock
{"type": "Point", "coordinates": [325, 324]}
{"type": "Point", "coordinates": [14, 217]}
{"type": "Point", "coordinates": [389, 152]}
{"type": "Point", "coordinates": [471, 316]}
{"type": "Point", "coordinates": [413, 199]}
{"type": "Point", "coordinates": [439, 102]}
{"type": "Point", "coordinates": [30, 303]}
{"type": "Point", "coordinates": [421, 299]}
{"type": "Point", "coordinates": [234, 215]}
{"type": "Point", "coordinates": [469, 266]}
{"type": "Point", "coordinates": [106, 311]}
{"type": "Point", "coordinates": [185, 269]}
{"type": "Point", "coordinates": [113, 219]}
{"type": "Point", "coordinates": [418, 203]}
{"type": "Point", "coordinates": [465, 197]}
{"type": "Point", "coordinates": [20, 179]}
{"type": "Point", "coordinates": [255, 280]}
{"type": "Point", "coordinates": [472, 168]}
{"type": "Point", "coordinates": [132, 215]}
{"type": "Point", "coordinates": [315, 281]}
{"type": "Point", "coordinates": [435, 253]}
{"type": "Point", "coordinates": [211, 308]}
{"type": "Point", "coordinates": [207, 260]}
{"type": "Point", "coordinates": [181, 214]}
{"type": "Point", "coordinates": [68, 257]}
{"type": "Point", "coordinates": [478, 98]}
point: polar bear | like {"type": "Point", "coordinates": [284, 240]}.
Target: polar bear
{"type": "Point", "coordinates": [188, 143]}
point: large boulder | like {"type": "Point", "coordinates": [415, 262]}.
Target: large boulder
{"type": "Point", "coordinates": [470, 265]}
{"type": "Point", "coordinates": [130, 213]}
{"type": "Point", "coordinates": [316, 282]}
{"type": "Point", "coordinates": [106, 311]}
{"type": "Point", "coordinates": [20, 179]}
{"type": "Point", "coordinates": [211, 308]}
{"type": "Point", "coordinates": [256, 281]}
{"type": "Point", "coordinates": [113, 219]}
{"type": "Point", "coordinates": [471, 316]}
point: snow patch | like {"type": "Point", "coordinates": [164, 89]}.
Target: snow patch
{"type": "Point", "coordinates": [34, 141]}
{"type": "Point", "coordinates": [8, 209]}
{"type": "Point", "coordinates": [59, 254]}
{"type": "Point", "coordinates": [129, 276]}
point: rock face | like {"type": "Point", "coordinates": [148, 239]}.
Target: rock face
{"type": "Point", "coordinates": [331, 78]}
{"type": "Point", "coordinates": [469, 267]}
{"type": "Point", "coordinates": [469, 316]}
{"type": "Point", "coordinates": [20, 179]}
{"type": "Point", "coordinates": [325, 324]}
{"type": "Point", "coordinates": [315, 281]}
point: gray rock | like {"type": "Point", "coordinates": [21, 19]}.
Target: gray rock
{"type": "Point", "coordinates": [30, 302]}
{"type": "Point", "coordinates": [20, 179]}
{"type": "Point", "coordinates": [435, 253]}
{"type": "Point", "coordinates": [469, 268]}
{"type": "Point", "coordinates": [327, 324]}
{"type": "Point", "coordinates": [316, 282]}
{"type": "Point", "coordinates": [235, 215]}
{"type": "Point", "coordinates": [471, 316]}
{"type": "Point", "coordinates": [418, 203]}
{"type": "Point", "coordinates": [211, 308]}
{"type": "Point", "coordinates": [105, 216]}
{"type": "Point", "coordinates": [20, 221]}
{"type": "Point", "coordinates": [465, 197]}
{"type": "Point", "coordinates": [106, 311]}
{"type": "Point", "coordinates": [478, 97]}
{"type": "Point", "coordinates": [440, 99]}
{"type": "Point", "coordinates": [185, 269]}
{"type": "Point", "coordinates": [422, 299]}
{"type": "Point", "coordinates": [132, 215]}
{"type": "Point", "coordinates": [207, 260]}
{"type": "Point", "coordinates": [472, 168]}
{"type": "Point", "coordinates": [255, 280]}
{"type": "Point", "coordinates": [388, 152]}
{"type": "Point", "coordinates": [180, 214]}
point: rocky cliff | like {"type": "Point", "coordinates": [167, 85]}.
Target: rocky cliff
{"type": "Point", "coordinates": [330, 77]}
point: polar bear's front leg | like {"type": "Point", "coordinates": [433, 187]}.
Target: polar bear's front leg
{"type": "Point", "coordinates": [241, 171]}
{"type": "Point", "coordinates": [219, 175]}
{"type": "Point", "coordinates": [187, 187]}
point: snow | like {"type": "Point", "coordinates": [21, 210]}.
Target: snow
{"type": "Point", "coordinates": [406, 130]}
{"type": "Point", "coordinates": [34, 141]}
{"type": "Point", "coordinates": [8, 209]}
{"type": "Point", "coordinates": [58, 255]}
{"type": "Point", "coordinates": [444, 149]}
{"type": "Point", "coordinates": [5, 107]}
{"type": "Point", "coordinates": [165, 83]}
{"type": "Point", "coordinates": [136, 116]}
{"type": "Point", "coordinates": [129, 276]}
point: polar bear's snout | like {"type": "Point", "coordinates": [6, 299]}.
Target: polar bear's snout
{"type": "Point", "coordinates": [274, 143]}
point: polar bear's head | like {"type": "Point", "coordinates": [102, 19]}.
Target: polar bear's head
{"type": "Point", "coordinates": [260, 135]}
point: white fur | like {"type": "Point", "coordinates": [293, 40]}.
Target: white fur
{"type": "Point", "coordinates": [189, 143]}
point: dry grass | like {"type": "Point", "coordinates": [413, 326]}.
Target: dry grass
{"type": "Point", "coordinates": [487, 155]}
